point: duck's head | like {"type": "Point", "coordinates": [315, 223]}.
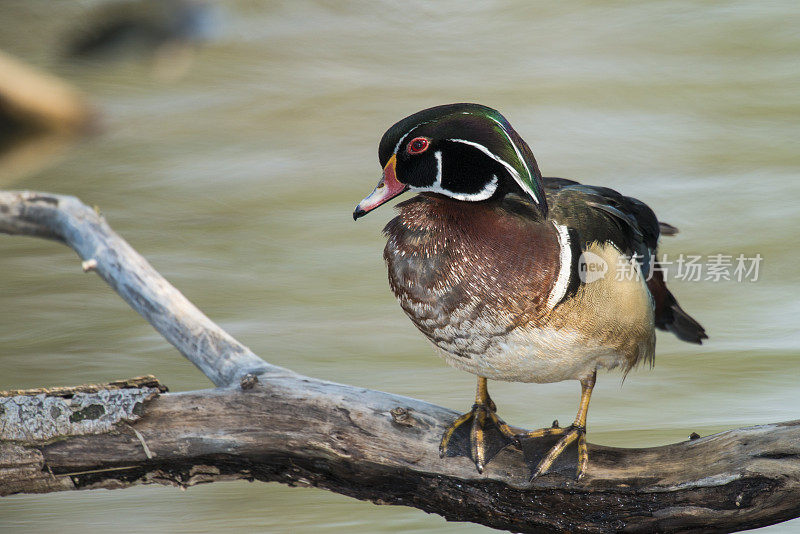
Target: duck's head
{"type": "Point", "coordinates": [467, 152]}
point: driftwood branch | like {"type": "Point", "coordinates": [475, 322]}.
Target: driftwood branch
{"type": "Point", "coordinates": [270, 424]}
{"type": "Point", "coordinates": [215, 352]}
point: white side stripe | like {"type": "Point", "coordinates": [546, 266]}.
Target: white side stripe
{"type": "Point", "coordinates": [565, 267]}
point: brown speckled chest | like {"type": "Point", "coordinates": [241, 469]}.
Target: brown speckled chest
{"type": "Point", "coordinates": [475, 279]}
{"type": "Point", "coordinates": [467, 272]}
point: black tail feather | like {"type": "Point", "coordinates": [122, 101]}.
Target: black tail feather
{"type": "Point", "coordinates": [680, 323]}
{"type": "Point", "coordinates": [667, 229]}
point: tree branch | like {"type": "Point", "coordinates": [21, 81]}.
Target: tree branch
{"type": "Point", "coordinates": [215, 352]}
{"type": "Point", "coordinates": [280, 426]}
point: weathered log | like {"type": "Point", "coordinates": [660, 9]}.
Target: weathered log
{"type": "Point", "coordinates": [271, 424]}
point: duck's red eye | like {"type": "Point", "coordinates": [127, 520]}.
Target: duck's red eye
{"type": "Point", "coordinates": [415, 146]}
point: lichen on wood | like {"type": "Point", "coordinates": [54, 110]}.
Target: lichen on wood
{"type": "Point", "coordinates": [45, 414]}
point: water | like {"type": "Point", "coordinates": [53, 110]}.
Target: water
{"type": "Point", "coordinates": [237, 181]}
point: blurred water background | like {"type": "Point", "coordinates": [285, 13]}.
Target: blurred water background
{"type": "Point", "coordinates": [236, 169]}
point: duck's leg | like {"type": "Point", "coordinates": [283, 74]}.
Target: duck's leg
{"type": "Point", "coordinates": [478, 434]}
{"type": "Point", "coordinates": [576, 431]}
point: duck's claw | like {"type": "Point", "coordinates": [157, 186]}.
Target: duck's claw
{"type": "Point", "coordinates": [479, 434]}
{"type": "Point", "coordinates": [540, 464]}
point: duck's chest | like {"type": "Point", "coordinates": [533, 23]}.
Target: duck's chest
{"type": "Point", "coordinates": [467, 275]}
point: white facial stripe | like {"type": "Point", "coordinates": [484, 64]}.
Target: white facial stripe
{"type": "Point", "coordinates": [504, 163]}
{"type": "Point", "coordinates": [438, 156]}
{"type": "Point", "coordinates": [436, 187]}
{"type": "Point", "coordinates": [489, 153]}
{"type": "Point", "coordinates": [483, 194]}
{"type": "Point", "coordinates": [514, 173]}
{"type": "Point", "coordinates": [400, 142]}
{"type": "Point", "coordinates": [565, 267]}
{"type": "Point", "coordinates": [519, 155]}
{"type": "Point", "coordinates": [487, 191]}
{"type": "Point", "coordinates": [490, 188]}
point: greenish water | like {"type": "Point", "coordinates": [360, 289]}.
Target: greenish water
{"type": "Point", "coordinates": [237, 182]}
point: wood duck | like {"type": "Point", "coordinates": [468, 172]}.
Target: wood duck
{"type": "Point", "coordinates": [513, 276]}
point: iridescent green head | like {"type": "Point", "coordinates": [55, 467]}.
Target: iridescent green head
{"type": "Point", "coordinates": [467, 152]}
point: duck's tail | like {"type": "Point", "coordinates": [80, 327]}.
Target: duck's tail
{"type": "Point", "coordinates": [668, 313]}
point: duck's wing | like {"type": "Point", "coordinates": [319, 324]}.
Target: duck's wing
{"type": "Point", "coordinates": [602, 215]}
{"type": "Point", "coordinates": [553, 184]}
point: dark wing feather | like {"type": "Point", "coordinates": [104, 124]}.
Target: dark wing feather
{"type": "Point", "coordinates": [600, 214]}
{"type": "Point", "coordinates": [553, 184]}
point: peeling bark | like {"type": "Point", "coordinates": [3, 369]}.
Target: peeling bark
{"type": "Point", "coordinates": [270, 424]}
